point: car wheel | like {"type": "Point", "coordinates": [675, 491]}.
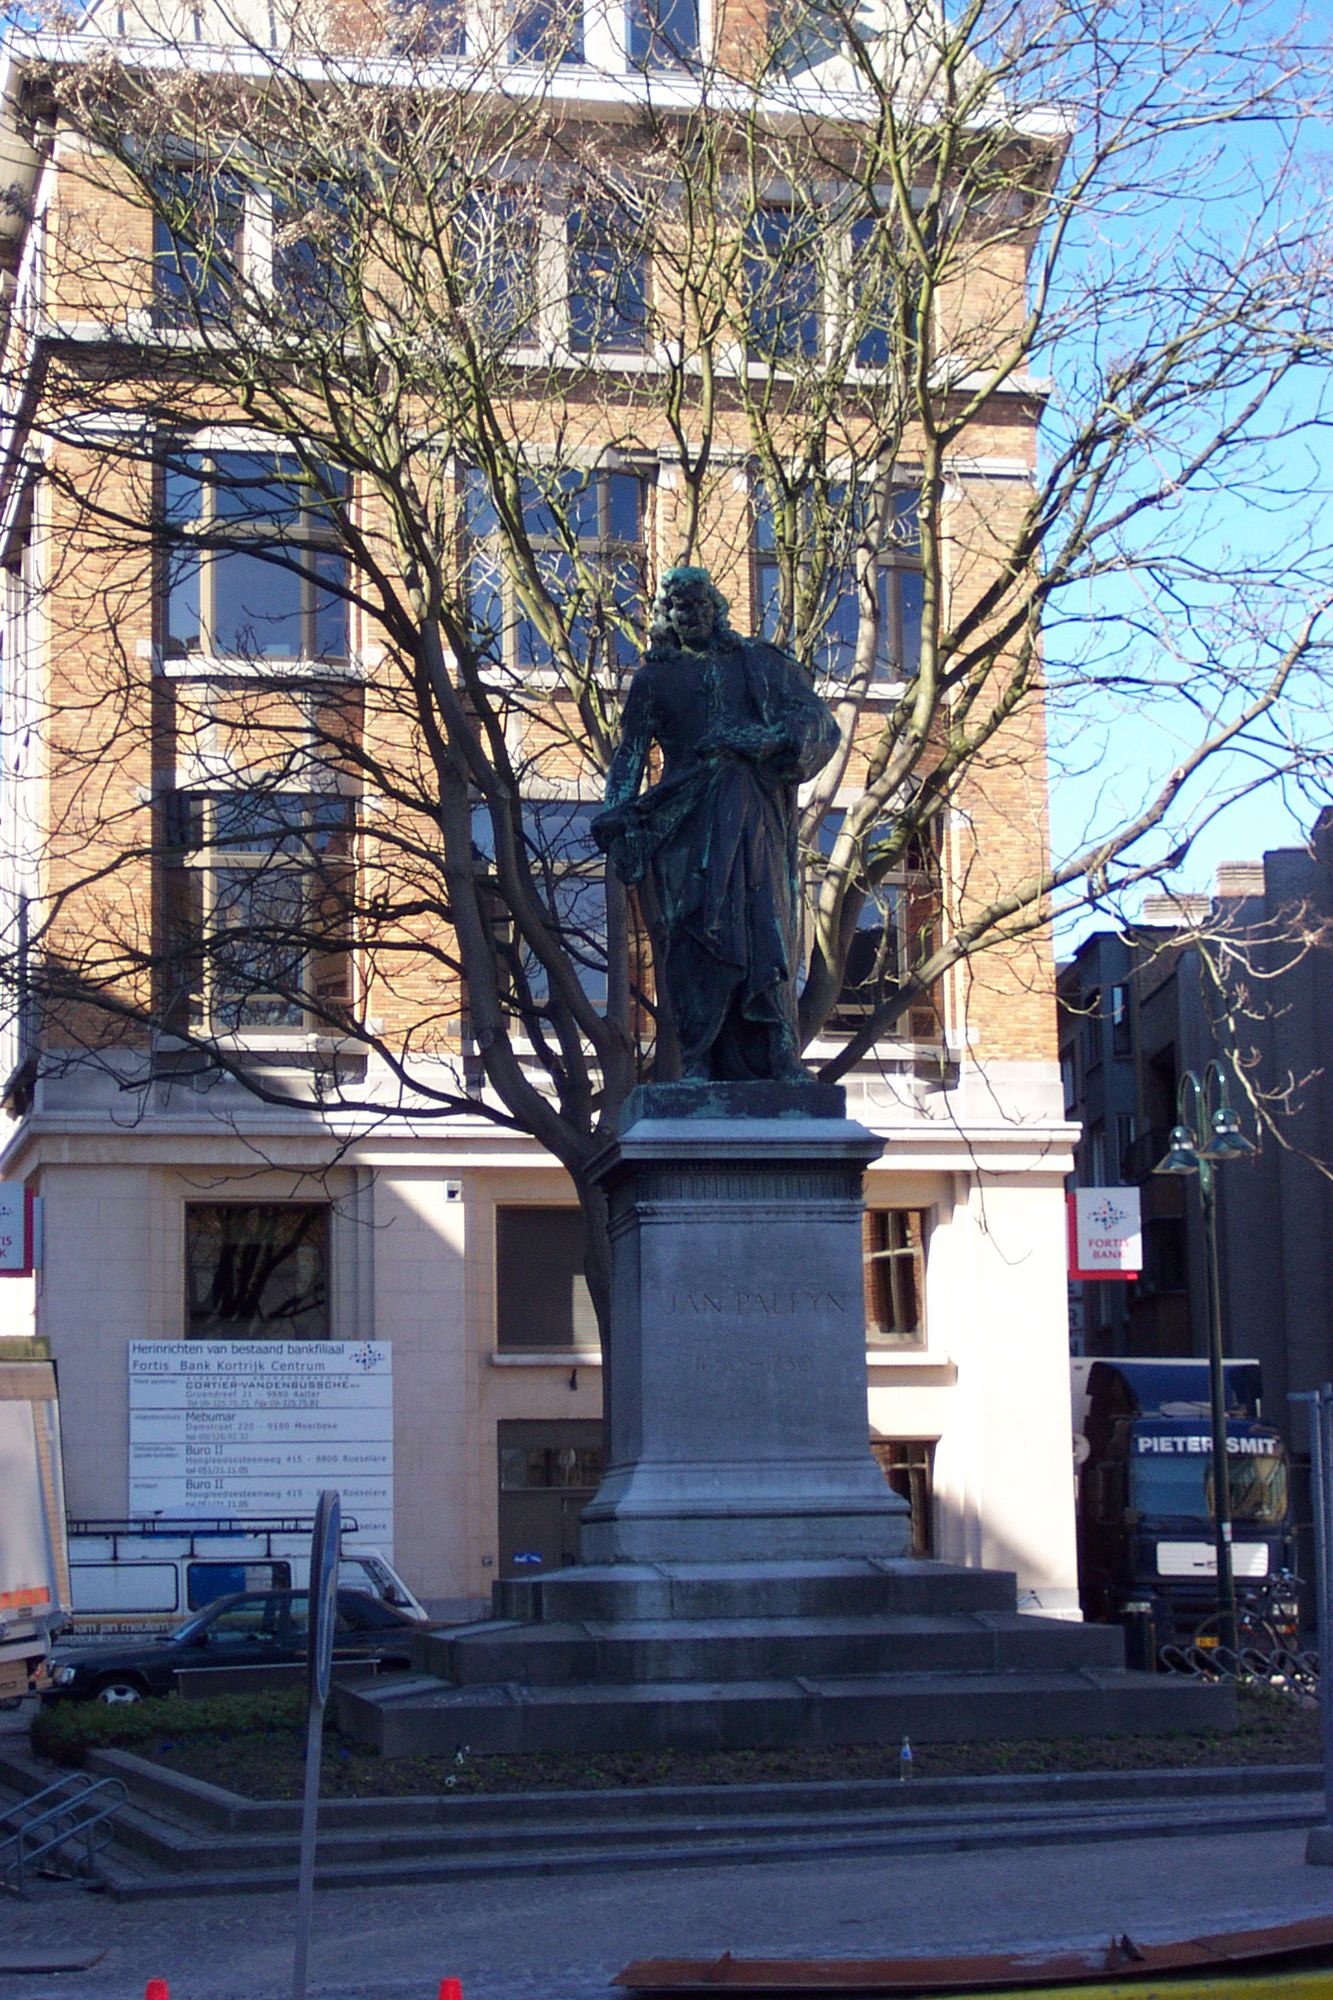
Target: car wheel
{"type": "Point", "coordinates": [119, 1688]}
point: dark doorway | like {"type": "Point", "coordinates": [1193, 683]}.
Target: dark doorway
{"type": "Point", "coordinates": [548, 1473]}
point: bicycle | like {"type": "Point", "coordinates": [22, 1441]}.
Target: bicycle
{"type": "Point", "coordinates": [1267, 1627]}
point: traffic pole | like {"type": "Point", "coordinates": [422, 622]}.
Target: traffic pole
{"type": "Point", "coordinates": [1319, 1840]}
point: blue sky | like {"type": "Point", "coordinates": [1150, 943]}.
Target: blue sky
{"type": "Point", "coordinates": [1217, 578]}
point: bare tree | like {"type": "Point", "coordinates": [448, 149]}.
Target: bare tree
{"type": "Point", "coordinates": [362, 380]}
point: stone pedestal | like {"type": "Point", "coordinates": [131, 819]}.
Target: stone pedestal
{"type": "Point", "coordinates": [737, 1423]}
{"type": "Point", "coordinates": [743, 1582]}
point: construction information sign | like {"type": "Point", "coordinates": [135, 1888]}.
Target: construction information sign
{"type": "Point", "coordinates": [239, 1428]}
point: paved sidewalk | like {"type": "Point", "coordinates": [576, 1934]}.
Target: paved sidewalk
{"type": "Point", "coordinates": [562, 1938]}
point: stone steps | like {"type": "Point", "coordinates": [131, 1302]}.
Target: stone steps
{"type": "Point", "coordinates": [744, 1649]}
{"type": "Point", "coordinates": [714, 1656]}
{"type": "Point", "coordinates": [179, 1836]}
{"type": "Point", "coordinates": [179, 1852]}
{"type": "Point", "coordinates": [416, 1716]}
{"type": "Point", "coordinates": [868, 1587]}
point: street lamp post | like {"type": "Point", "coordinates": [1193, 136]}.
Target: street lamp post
{"type": "Point", "coordinates": [1207, 1131]}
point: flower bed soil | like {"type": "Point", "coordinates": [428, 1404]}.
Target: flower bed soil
{"type": "Point", "coordinates": [269, 1764]}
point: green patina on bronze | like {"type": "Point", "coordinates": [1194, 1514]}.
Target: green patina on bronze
{"type": "Point", "coordinates": [740, 728]}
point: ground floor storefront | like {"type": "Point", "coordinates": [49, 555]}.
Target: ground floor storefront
{"type": "Point", "coordinates": [243, 1314]}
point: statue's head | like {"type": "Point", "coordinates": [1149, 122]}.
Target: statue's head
{"type": "Point", "coordinates": [688, 608]}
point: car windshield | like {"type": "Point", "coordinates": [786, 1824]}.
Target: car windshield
{"type": "Point", "coordinates": [1183, 1487]}
{"type": "Point", "coordinates": [186, 1634]}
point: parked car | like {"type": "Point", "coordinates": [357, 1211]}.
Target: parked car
{"type": "Point", "coordinates": [248, 1629]}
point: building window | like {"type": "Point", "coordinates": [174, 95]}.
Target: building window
{"type": "Point", "coordinates": [546, 32]}
{"type": "Point", "coordinates": [1069, 1079]}
{"type": "Point", "coordinates": [662, 34]}
{"type": "Point", "coordinates": [223, 246]}
{"type": "Point", "coordinates": [608, 283]}
{"type": "Point", "coordinates": [542, 1300]}
{"type": "Point", "coordinates": [585, 530]}
{"type": "Point", "coordinates": [873, 293]}
{"type": "Point", "coordinates": [801, 37]}
{"type": "Point", "coordinates": [1122, 1025]}
{"type": "Point", "coordinates": [499, 234]}
{"type": "Point", "coordinates": [312, 252]}
{"type": "Point", "coordinates": [538, 272]}
{"type": "Point", "coordinates": [536, 1463]}
{"type": "Point", "coordinates": [427, 28]}
{"type": "Point", "coordinates": [254, 567]}
{"type": "Point", "coordinates": [199, 245]}
{"type": "Point", "coordinates": [908, 1464]}
{"type": "Point", "coordinates": [781, 276]}
{"type": "Point", "coordinates": [894, 1242]}
{"type": "Point", "coordinates": [884, 319]}
{"type": "Point", "coordinates": [896, 534]}
{"type": "Point", "coordinates": [256, 1270]}
{"type": "Point", "coordinates": [258, 891]}
{"type": "Point", "coordinates": [894, 933]}
{"type": "Point", "coordinates": [568, 874]}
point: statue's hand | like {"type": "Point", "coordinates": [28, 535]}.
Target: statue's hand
{"type": "Point", "coordinates": [608, 827]}
{"type": "Point", "coordinates": [627, 844]}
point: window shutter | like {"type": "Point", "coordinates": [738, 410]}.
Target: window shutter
{"type": "Point", "coordinates": [542, 1297]}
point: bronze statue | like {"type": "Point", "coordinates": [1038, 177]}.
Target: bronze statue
{"type": "Point", "coordinates": [740, 727]}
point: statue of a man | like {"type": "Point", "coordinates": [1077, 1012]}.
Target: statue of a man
{"type": "Point", "coordinates": [739, 727]}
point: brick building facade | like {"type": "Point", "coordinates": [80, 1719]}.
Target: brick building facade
{"type": "Point", "coordinates": [159, 779]}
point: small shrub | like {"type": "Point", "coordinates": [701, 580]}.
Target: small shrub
{"type": "Point", "coordinates": [65, 1731]}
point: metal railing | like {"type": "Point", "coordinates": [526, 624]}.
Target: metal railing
{"type": "Point", "coordinates": [1283, 1669]}
{"type": "Point", "coordinates": [74, 1812]}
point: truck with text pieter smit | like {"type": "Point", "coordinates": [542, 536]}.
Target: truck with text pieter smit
{"type": "Point", "coordinates": [34, 1565]}
{"type": "Point", "coordinates": [1143, 1451]}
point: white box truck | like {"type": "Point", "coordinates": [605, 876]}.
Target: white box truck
{"type": "Point", "coordinates": [148, 1573]}
{"type": "Point", "coordinates": [35, 1597]}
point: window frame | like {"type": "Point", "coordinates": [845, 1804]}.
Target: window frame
{"type": "Point", "coordinates": [253, 253]}
{"type": "Point", "coordinates": [195, 548]}
{"type": "Point", "coordinates": [769, 295]}
{"type": "Point", "coordinates": [899, 591]}
{"type": "Point", "coordinates": [651, 47]}
{"type": "Point", "coordinates": [552, 873]}
{"type": "Point", "coordinates": [627, 315]}
{"type": "Point", "coordinates": [908, 1466]}
{"type": "Point", "coordinates": [548, 35]}
{"type": "Point", "coordinates": [504, 644]}
{"type": "Point", "coordinates": [178, 300]}
{"type": "Point", "coordinates": [320, 1210]}
{"type": "Point", "coordinates": [194, 864]}
{"type": "Point", "coordinates": [835, 287]}
{"type": "Point", "coordinates": [581, 1307]}
{"type": "Point", "coordinates": [881, 1263]}
{"type": "Point", "coordinates": [523, 228]}
{"type": "Point", "coordinates": [912, 878]}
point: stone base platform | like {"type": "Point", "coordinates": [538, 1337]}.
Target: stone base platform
{"type": "Point", "coordinates": [755, 1655]}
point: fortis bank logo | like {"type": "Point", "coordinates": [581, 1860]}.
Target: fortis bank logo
{"type": "Point", "coordinates": [367, 1357]}
{"type": "Point", "coordinates": [1106, 1215]}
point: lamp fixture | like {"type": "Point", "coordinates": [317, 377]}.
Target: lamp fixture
{"type": "Point", "coordinates": [1228, 1142]}
{"type": "Point", "coordinates": [1182, 1156]}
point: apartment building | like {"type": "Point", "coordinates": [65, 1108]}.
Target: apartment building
{"type": "Point", "coordinates": [1238, 978]}
{"type": "Point", "coordinates": [261, 1067]}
